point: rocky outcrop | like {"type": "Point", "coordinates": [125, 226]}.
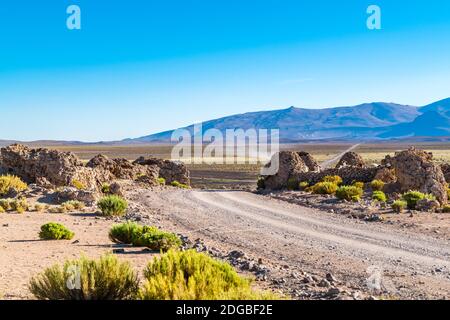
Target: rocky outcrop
{"type": "Point", "coordinates": [169, 170]}
{"type": "Point", "coordinates": [122, 168]}
{"type": "Point", "coordinates": [415, 170]}
{"type": "Point", "coordinates": [351, 159]}
{"type": "Point", "coordinates": [49, 168]}
{"type": "Point", "coordinates": [446, 171]}
{"type": "Point", "coordinates": [387, 175]}
{"type": "Point", "coordinates": [309, 161]}
{"type": "Point", "coordinates": [290, 166]}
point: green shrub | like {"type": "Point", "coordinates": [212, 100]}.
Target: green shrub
{"type": "Point", "coordinates": [55, 231]}
{"type": "Point", "coordinates": [58, 209]}
{"type": "Point", "coordinates": [446, 209]}
{"type": "Point", "coordinates": [112, 205]}
{"type": "Point", "coordinates": [124, 232]}
{"type": "Point", "coordinates": [19, 205]}
{"type": "Point", "coordinates": [5, 204]}
{"type": "Point", "coordinates": [179, 185]}
{"type": "Point", "coordinates": [189, 275]}
{"type": "Point", "coordinates": [73, 205]}
{"type": "Point", "coordinates": [448, 193]}
{"type": "Point", "coordinates": [292, 184]}
{"type": "Point", "coordinates": [349, 193]}
{"type": "Point", "coordinates": [84, 279]}
{"type": "Point", "coordinates": [39, 207]}
{"type": "Point", "coordinates": [377, 185]}
{"type": "Point", "coordinates": [358, 184]}
{"type": "Point", "coordinates": [10, 183]}
{"type": "Point", "coordinates": [379, 196]}
{"type": "Point", "coordinates": [2, 210]}
{"type": "Point", "coordinates": [334, 179]}
{"type": "Point", "coordinates": [412, 197]}
{"type": "Point", "coordinates": [106, 188]}
{"type": "Point", "coordinates": [303, 185]}
{"type": "Point", "coordinates": [324, 188]}
{"type": "Point", "coordinates": [161, 181]}
{"type": "Point", "coordinates": [261, 183]}
{"type": "Point", "coordinates": [399, 206]}
{"type": "Point", "coordinates": [78, 184]}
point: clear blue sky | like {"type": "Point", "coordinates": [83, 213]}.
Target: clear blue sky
{"type": "Point", "coordinates": [139, 67]}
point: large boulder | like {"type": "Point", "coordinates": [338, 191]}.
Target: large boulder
{"type": "Point", "coordinates": [351, 159]}
{"type": "Point", "coordinates": [122, 168]}
{"type": "Point", "coordinates": [291, 165]}
{"type": "Point", "coordinates": [49, 168]}
{"type": "Point", "coordinates": [415, 170]}
{"type": "Point", "coordinates": [446, 171]}
{"type": "Point", "coordinates": [169, 170]}
{"type": "Point", "coordinates": [310, 162]}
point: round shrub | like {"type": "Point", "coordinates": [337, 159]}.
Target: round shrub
{"type": "Point", "coordinates": [55, 231]}
{"type": "Point", "coordinates": [2, 210]}
{"type": "Point", "coordinates": [337, 180]}
{"type": "Point", "coordinates": [303, 185]}
{"type": "Point", "coordinates": [377, 185]}
{"type": "Point", "coordinates": [189, 275]}
{"type": "Point", "coordinates": [124, 232]}
{"type": "Point", "coordinates": [399, 206]}
{"type": "Point", "coordinates": [379, 196]}
{"type": "Point", "coordinates": [161, 181]}
{"type": "Point", "coordinates": [292, 184]}
{"type": "Point", "coordinates": [324, 188]}
{"type": "Point", "coordinates": [11, 184]}
{"type": "Point", "coordinates": [446, 209]}
{"type": "Point", "coordinates": [358, 184]}
{"type": "Point", "coordinates": [106, 188]}
{"type": "Point", "coordinates": [179, 185]}
{"type": "Point", "coordinates": [412, 197]}
{"type": "Point", "coordinates": [349, 193]}
{"type": "Point", "coordinates": [84, 279]}
{"type": "Point", "coordinates": [112, 205]}
{"type": "Point", "coordinates": [19, 205]}
{"type": "Point", "coordinates": [154, 239]}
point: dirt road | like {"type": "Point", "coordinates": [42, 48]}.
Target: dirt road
{"type": "Point", "coordinates": [295, 239]}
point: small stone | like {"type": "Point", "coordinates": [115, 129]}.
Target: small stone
{"type": "Point", "coordinates": [333, 291]}
{"type": "Point", "coordinates": [330, 277]}
{"type": "Point", "coordinates": [324, 283]}
{"type": "Point", "coordinates": [76, 241]}
{"type": "Point", "coordinates": [119, 251]}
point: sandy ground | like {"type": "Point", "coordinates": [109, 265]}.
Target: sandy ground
{"type": "Point", "coordinates": [22, 254]}
{"type": "Point", "coordinates": [411, 265]}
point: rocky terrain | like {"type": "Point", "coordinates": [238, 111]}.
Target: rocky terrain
{"type": "Point", "coordinates": [305, 245]}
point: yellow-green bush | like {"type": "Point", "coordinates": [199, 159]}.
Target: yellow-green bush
{"type": "Point", "coordinates": [446, 209]}
{"type": "Point", "coordinates": [144, 236]}
{"type": "Point", "coordinates": [84, 279]}
{"type": "Point", "coordinates": [261, 183]}
{"type": "Point", "coordinates": [379, 196]}
{"type": "Point", "coordinates": [412, 197]}
{"type": "Point", "coordinates": [303, 185]}
{"type": "Point", "coordinates": [112, 205]}
{"type": "Point", "coordinates": [349, 193]}
{"type": "Point", "coordinates": [292, 184]}
{"type": "Point", "coordinates": [78, 184]}
{"type": "Point", "coordinates": [5, 204]}
{"type": "Point", "coordinates": [179, 185]}
{"type": "Point", "coordinates": [399, 206]}
{"type": "Point", "coordinates": [39, 207]}
{"type": "Point", "coordinates": [337, 180]}
{"type": "Point", "coordinates": [2, 210]}
{"type": "Point", "coordinates": [106, 188]}
{"type": "Point", "coordinates": [55, 231]}
{"type": "Point", "coordinates": [189, 275]}
{"type": "Point", "coordinates": [10, 183]}
{"type": "Point", "coordinates": [358, 184]}
{"type": "Point", "coordinates": [324, 188]}
{"type": "Point", "coordinates": [73, 205]}
{"type": "Point", "coordinates": [377, 185]}
{"type": "Point", "coordinates": [19, 205]}
{"type": "Point", "coordinates": [161, 181]}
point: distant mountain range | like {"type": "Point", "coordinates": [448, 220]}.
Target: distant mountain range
{"type": "Point", "coordinates": [369, 121]}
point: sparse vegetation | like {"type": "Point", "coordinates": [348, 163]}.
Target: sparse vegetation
{"type": "Point", "coordinates": [358, 184]}
{"type": "Point", "coordinates": [106, 188]}
{"type": "Point", "coordinates": [19, 205]}
{"type": "Point", "coordinates": [260, 184]}
{"type": "Point", "coordinates": [399, 206]}
{"type": "Point", "coordinates": [5, 204]}
{"type": "Point", "coordinates": [78, 184]}
{"type": "Point", "coordinates": [189, 275]}
{"type": "Point", "coordinates": [303, 185]}
{"type": "Point", "coordinates": [73, 205]}
{"type": "Point", "coordinates": [39, 207]}
{"type": "Point", "coordinates": [10, 183]}
{"type": "Point", "coordinates": [324, 188]}
{"type": "Point", "coordinates": [58, 209]}
{"type": "Point", "coordinates": [179, 185]}
{"type": "Point", "coordinates": [446, 209]}
{"type": "Point", "coordinates": [377, 185]}
{"type": "Point", "coordinates": [144, 236]}
{"type": "Point", "coordinates": [337, 180]}
{"type": "Point", "coordinates": [161, 181]}
{"type": "Point", "coordinates": [55, 231]}
{"type": "Point", "coordinates": [292, 184]}
{"type": "Point", "coordinates": [112, 205]}
{"type": "Point", "coordinates": [103, 279]}
{"type": "Point", "coordinates": [379, 196]}
{"type": "Point", "coordinates": [349, 193]}
{"type": "Point", "coordinates": [412, 197]}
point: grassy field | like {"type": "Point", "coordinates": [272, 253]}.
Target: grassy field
{"type": "Point", "coordinates": [229, 175]}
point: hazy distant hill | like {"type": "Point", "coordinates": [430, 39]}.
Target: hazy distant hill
{"type": "Point", "coordinates": [357, 122]}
